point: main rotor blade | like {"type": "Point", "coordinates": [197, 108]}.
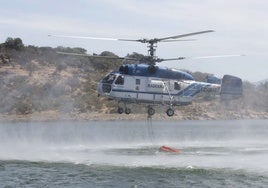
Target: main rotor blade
{"type": "Point", "coordinates": [178, 40]}
{"type": "Point", "coordinates": [185, 35]}
{"type": "Point", "coordinates": [81, 37]}
{"type": "Point", "coordinates": [202, 57]}
{"type": "Point", "coordinates": [165, 39]}
{"type": "Point", "coordinates": [96, 56]}
{"type": "Point", "coordinates": [216, 56]}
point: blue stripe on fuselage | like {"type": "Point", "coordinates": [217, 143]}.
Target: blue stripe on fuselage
{"type": "Point", "coordinates": [143, 92]}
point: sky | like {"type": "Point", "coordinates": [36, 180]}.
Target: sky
{"type": "Point", "coordinates": [241, 27]}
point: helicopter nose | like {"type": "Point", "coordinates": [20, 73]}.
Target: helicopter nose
{"type": "Point", "coordinates": [100, 91]}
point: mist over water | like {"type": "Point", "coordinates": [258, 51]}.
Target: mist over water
{"type": "Point", "coordinates": [209, 145]}
{"type": "Point", "coordinates": [238, 144]}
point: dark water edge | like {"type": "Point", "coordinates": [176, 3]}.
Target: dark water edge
{"type": "Point", "coordinates": [46, 174]}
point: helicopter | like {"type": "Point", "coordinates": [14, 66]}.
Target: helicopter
{"type": "Point", "coordinates": [151, 85]}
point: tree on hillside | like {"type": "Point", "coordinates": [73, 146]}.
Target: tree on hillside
{"type": "Point", "coordinates": [139, 58]}
{"type": "Point", "coordinates": [15, 44]}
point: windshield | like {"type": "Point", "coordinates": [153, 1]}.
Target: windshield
{"type": "Point", "coordinates": [109, 79]}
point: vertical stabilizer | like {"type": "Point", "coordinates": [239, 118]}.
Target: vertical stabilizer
{"type": "Point", "coordinates": [231, 87]}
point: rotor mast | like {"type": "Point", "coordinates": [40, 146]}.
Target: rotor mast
{"type": "Point", "coordinates": [152, 48]}
{"type": "Point", "coordinates": [152, 45]}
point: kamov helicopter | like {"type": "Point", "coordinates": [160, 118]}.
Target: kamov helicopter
{"type": "Point", "coordinates": [148, 84]}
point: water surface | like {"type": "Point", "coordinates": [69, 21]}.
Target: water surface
{"type": "Point", "coordinates": [125, 154]}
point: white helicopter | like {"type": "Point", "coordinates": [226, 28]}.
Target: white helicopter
{"type": "Point", "coordinates": [148, 84]}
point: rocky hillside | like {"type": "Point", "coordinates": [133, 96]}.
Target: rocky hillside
{"type": "Point", "coordinates": [37, 80]}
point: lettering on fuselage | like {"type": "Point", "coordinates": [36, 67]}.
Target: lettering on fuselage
{"type": "Point", "coordinates": [155, 86]}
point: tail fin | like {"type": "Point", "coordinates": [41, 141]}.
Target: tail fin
{"type": "Point", "coordinates": [231, 87]}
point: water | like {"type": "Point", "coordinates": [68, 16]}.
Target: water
{"type": "Point", "coordinates": [125, 154]}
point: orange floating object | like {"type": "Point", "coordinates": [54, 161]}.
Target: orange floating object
{"type": "Point", "coordinates": [169, 149]}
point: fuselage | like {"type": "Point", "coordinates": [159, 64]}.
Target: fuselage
{"type": "Point", "coordinates": [142, 83]}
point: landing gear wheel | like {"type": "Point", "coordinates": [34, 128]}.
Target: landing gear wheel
{"type": "Point", "coordinates": [151, 111]}
{"type": "Point", "coordinates": [120, 110]}
{"type": "Point", "coordinates": [170, 112]}
{"type": "Point", "coordinates": [127, 111]}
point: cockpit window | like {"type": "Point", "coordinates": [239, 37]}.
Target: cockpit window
{"type": "Point", "coordinates": [119, 80]}
{"type": "Point", "coordinates": [109, 79]}
{"type": "Point", "coordinates": [177, 86]}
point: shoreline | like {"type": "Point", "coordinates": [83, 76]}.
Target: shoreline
{"type": "Point", "coordinates": [52, 116]}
